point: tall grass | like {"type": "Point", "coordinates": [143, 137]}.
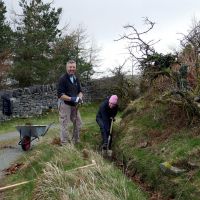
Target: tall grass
{"type": "Point", "coordinates": [51, 168]}
{"type": "Point", "coordinates": [100, 182]}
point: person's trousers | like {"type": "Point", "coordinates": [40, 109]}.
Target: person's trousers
{"type": "Point", "coordinates": [104, 131]}
{"type": "Point", "coordinates": [69, 113]}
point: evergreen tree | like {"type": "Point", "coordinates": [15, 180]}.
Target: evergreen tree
{"type": "Point", "coordinates": [5, 43]}
{"type": "Point", "coordinates": [36, 32]}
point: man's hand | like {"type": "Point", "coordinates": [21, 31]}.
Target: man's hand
{"type": "Point", "coordinates": [77, 100]}
{"type": "Point", "coordinates": [80, 101]}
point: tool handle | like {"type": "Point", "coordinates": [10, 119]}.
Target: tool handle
{"type": "Point", "coordinates": [111, 125]}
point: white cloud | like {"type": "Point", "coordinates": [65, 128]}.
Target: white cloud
{"type": "Point", "coordinates": [104, 20]}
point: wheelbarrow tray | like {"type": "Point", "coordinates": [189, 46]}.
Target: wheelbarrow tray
{"type": "Point", "coordinates": [28, 133]}
{"type": "Point", "coordinates": [32, 130]}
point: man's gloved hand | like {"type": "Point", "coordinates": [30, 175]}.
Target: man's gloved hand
{"type": "Point", "coordinates": [80, 100]}
{"type": "Point", "coordinates": [77, 100]}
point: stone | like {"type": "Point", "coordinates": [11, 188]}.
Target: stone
{"type": "Point", "coordinates": [167, 168]}
{"type": "Point", "coordinates": [32, 100]}
{"type": "Point", "coordinates": [27, 91]}
{"type": "Point", "coordinates": [143, 144]}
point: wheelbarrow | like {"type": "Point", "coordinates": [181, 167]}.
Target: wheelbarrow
{"type": "Point", "coordinates": [28, 133]}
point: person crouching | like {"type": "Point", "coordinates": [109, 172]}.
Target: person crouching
{"type": "Point", "coordinates": [107, 111]}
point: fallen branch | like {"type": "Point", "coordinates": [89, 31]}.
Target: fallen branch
{"type": "Point", "coordinates": [2, 189]}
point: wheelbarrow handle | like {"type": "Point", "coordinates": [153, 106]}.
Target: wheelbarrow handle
{"type": "Point", "coordinates": [47, 128]}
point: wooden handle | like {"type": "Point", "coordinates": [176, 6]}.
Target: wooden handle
{"type": "Point", "coordinates": [13, 186]}
{"type": "Point", "coordinates": [111, 125]}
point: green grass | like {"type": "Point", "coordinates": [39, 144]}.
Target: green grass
{"type": "Point", "coordinates": [48, 163]}
{"type": "Point", "coordinates": [10, 125]}
{"type": "Point", "coordinates": [179, 147]}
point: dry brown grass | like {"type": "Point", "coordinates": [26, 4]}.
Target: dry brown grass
{"type": "Point", "coordinates": [89, 183]}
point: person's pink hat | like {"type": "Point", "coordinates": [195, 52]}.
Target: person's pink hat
{"type": "Point", "coordinates": [113, 99]}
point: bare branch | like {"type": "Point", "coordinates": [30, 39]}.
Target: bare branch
{"type": "Point", "coordinates": [137, 46]}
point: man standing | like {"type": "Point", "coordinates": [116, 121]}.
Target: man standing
{"type": "Point", "coordinates": [69, 94]}
{"type": "Point", "coordinates": [107, 112]}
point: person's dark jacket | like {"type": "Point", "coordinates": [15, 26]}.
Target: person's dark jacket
{"type": "Point", "coordinates": [105, 113]}
{"type": "Point", "coordinates": [65, 86]}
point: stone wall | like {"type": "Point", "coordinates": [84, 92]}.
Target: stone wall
{"type": "Point", "coordinates": [34, 100]}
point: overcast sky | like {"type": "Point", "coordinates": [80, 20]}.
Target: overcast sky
{"type": "Point", "coordinates": [104, 21]}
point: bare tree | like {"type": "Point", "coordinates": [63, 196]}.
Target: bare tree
{"type": "Point", "coordinates": [137, 46]}
{"type": "Point", "coordinates": [86, 53]}
{"type": "Point", "coordinates": [124, 86]}
{"type": "Point", "coordinates": [190, 44]}
{"type": "Point", "coordinates": [192, 37]}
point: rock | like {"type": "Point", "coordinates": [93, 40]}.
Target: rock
{"type": "Point", "coordinates": [143, 144]}
{"type": "Point", "coordinates": [167, 168]}
{"type": "Point", "coordinates": [197, 99]}
{"type": "Point", "coordinates": [86, 153]}
{"type": "Point", "coordinates": [193, 165]}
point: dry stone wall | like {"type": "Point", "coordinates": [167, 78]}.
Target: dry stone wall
{"type": "Point", "coordinates": [32, 101]}
{"type": "Point", "coordinates": [35, 100]}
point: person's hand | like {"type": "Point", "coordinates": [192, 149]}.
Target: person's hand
{"type": "Point", "coordinates": [75, 99]}
{"type": "Point", "coordinates": [113, 119]}
{"type": "Point", "coordinates": [80, 100]}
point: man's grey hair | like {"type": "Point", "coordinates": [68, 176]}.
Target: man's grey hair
{"type": "Point", "coordinates": [70, 62]}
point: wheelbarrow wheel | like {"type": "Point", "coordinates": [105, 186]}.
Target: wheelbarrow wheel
{"type": "Point", "coordinates": [26, 143]}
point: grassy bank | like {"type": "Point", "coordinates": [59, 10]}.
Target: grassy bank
{"type": "Point", "coordinates": [151, 133]}
{"type": "Point", "coordinates": [52, 169]}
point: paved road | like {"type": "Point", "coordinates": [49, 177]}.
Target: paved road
{"type": "Point", "coordinates": [9, 155]}
{"type": "Point", "coordinates": [8, 136]}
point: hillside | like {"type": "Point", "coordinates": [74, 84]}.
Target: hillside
{"type": "Point", "coordinates": [153, 131]}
